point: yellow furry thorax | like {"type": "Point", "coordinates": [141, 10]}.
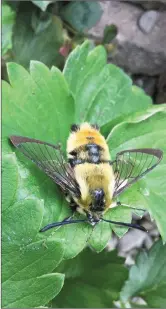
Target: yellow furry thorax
{"type": "Point", "coordinates": [87, 135]}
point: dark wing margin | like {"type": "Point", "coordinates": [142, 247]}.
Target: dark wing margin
{"type": "Point", "coordinates": [50, 159]}
{"type": "Point", "coordinates": [131, 165]}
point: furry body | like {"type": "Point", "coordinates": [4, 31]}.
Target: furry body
{"type": "Point", "coordinates": [89, 156]}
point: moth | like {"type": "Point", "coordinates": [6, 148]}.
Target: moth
{"type": "Point", "coordinates": [89, 179]}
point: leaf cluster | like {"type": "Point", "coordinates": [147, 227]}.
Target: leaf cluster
{"type": "Point", "coordinates": [42, 104]}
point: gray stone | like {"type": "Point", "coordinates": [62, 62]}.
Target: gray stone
{"type": "Point", "coordinates": [150, 4]}
{"type": "Point", "coordinates": [148, 83]}
{"type": "Point", "coordinates": [131, 240]}
{"type": "Point", "coordinates": [147, 21]}
{"type": "Point", "coordinates": [135, 51]}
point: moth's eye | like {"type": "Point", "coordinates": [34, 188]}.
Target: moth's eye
{"type": "Point", "coordinates": [73, 153]}
{"type": "Point", "coordinates": [75, 127]}
{"type": "Point", "coordinates": [96, 127]}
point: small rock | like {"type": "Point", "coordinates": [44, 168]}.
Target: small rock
{"type": "Point", "coordinates": [148, 20]}
{"type": "Point", "coordinates": [130, 260]}
{"type": "Point", "coordinates": [148, 242]}
{"type": "Point", "coordinates": [130, 256]}
{"type": "Point", "coordinates": [132, 239]}
{"type": "Point", "coordinates": [148, 223]}
{"type": "Point", "coordinates": [134, 51]}
{"type": "Point", "coordinates": [150, 5]}
{"type": "Point", "coordinates": [148, 83]}
{"type": "Point", "coordinates": [138, 301]}
{"type": "Point", "coordinates": [154, 233]}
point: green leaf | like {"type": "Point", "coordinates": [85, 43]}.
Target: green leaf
{"type": "Point", "coordinates": [36, 291]}
{"type": "Point", "coordinates": [122, 214]}
{"type": "Point", "coordinates": [137, 134]}
{"type": "Point", "coordinates": [43, 44]}
{"type": "Point", "coordinates": [148, 277]}
{"type": "Point", "coordinates": [42, 4]}
{"type": "Point", "coordinates": [115, 100]}
{"type": "Point", "coordinates": [100, 236]}
{"type": "Point", "coordinates": [140, 110]}
{"type": "Point", "coordinates": [9, 180]}
{"type": "Point", "coordinates": [8, 18]}
{"type": "Point", "coordinates": [110, 32]}
{"type": "Point", "coordinates": [43, 95]}
{"type": "Point", "coordinates": [75, 64]}
{"type": "Point", "coordinates": [75, 237]}
{"type": "Point", "coordinates": [103, 93]}
{"type": "Point", "coordinates": [81, 15]}
{"type": "Point", "coordinates": [150, 191]}
{"type": "Point", "coordinates": [27, 262]}
{"type": "Point", "coordinates": [101, 233]}
{"type": "Point", "coordinates": [92, 280]}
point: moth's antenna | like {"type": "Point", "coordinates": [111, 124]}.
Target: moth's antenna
{"type": "Point", "coordinates": [55, 224]}
{"type": "Point", "coordinates": [131, 225]}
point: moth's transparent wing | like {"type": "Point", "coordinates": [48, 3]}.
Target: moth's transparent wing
{"type": "Point", "coordinates": [130, 165]}
{"type": "Point", "coordinates": [50, 159]}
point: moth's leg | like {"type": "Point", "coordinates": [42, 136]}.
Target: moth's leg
{"type": "Point", "coordinates": [112, 162]}
{"type": "Point", "coordinates": [137, 208]}
{"type": "Point", "coordinates": [92, 223]}
{"type": "Point", "coordinates": [118, 203]}
{"type": "Point", "coordinates": [90, 218]}
{"type": "Point", "coordinates": [73, 161]}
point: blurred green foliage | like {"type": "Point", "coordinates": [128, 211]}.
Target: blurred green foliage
{"type": "Point", "coordinates": [47, 31]}
{"type": "Point", "coordinates": [8, 17]}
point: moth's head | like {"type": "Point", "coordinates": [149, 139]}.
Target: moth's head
{"type": "Point", "coordinates": [98, 201]}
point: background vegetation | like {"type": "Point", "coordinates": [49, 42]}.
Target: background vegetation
{"type": "Point", "coordinates": [69, 266]}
